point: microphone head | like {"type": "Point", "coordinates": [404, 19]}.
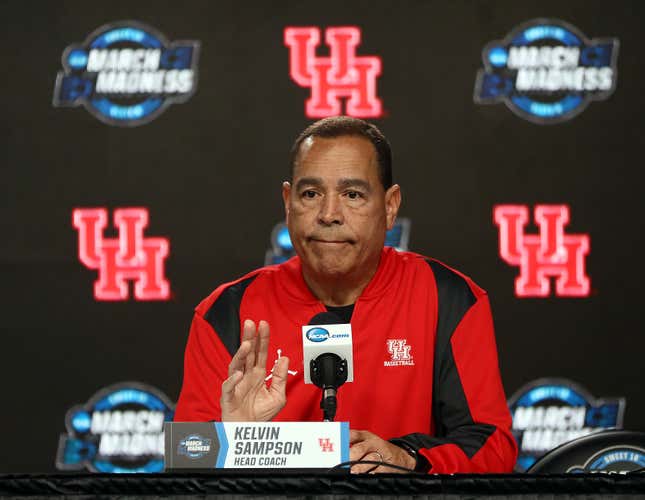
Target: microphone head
{"type": "Point", "coordinates": [326, 318]}
{"type": "Point", "coordinates": [327, 333]}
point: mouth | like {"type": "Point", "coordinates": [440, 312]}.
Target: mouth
{"type": "Point", "coordinates": [323, 241]}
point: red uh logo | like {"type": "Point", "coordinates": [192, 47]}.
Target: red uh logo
{"type": "Point", "coordinates": [128, 257]}
{"type": "Point", "coordinates": [343, 74]}
{"type": "Point", "coordinates": [551, 253]}
{"type": "Point", "coordinates": [326, 446]}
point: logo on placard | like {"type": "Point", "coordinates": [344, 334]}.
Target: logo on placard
{"type": "Point", "coordinates": [341, 75]}
{"type": "Point", "coordinates": [551, 253]}
{"type": "Point", "coordinates": [399, 352]}
{"type": "Point", "coordinates": [128, 257]}
{"type": "Point", "coordinates": [547, 71]}
{"type": "Point", "coordinates": [550, 412]}
{"type": "Point", "coordinates": [120, 429]}
{"type": "Point", "coordinates": [617, 459]}
{"type": "Point", "coordinates": [326, 445]}
{"type": "Point", "coordinates": [127, 73]}
{"type": "Point", "coordinates": [282, 248]}
{"type": "Point", "coordinates": [317, 334]}
{"type": "Point", "coordinates": [194, 446]}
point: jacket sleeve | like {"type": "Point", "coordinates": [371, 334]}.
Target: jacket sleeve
{"type": "Point", "coordinates": [214, 338]}
{"type": "Point", "coordinates": [472, 422]}
{"type": "Point", "coordinates": [206, 363]}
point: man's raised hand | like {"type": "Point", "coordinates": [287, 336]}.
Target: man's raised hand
{"type": "Point", "coordinates": [245, 396]}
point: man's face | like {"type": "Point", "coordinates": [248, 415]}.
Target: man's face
{"type": "Point", "coordinates": [337, 209]}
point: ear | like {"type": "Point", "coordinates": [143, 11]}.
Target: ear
{"type": "Point", "coordinates": [286, 193]}
{"type": "Point", "coordinates": [392, 204]}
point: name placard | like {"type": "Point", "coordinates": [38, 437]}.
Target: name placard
{"type": "Point", "coordinates": [255, 445]}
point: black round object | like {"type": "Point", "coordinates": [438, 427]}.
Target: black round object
{"type": "Point", "coordinates": [608, 451]}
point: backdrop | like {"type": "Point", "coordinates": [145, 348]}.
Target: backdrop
{"type": "Point", "coordinates": [209, 168]}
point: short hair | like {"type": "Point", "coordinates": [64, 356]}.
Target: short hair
{"type": "Point", "coordinates": [338, 126]}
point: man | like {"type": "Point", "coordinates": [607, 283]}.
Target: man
{"type": "Point", "coordinates": [427, 393]}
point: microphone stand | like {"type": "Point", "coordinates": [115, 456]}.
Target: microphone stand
{"type": "Point", "coordinates": [329, 372]}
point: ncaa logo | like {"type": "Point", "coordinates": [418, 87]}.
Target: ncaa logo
{"type": "Point", "coordinates": [546, 71]}
{"type": "Point", "coordinates": [317, 334]}
{"type": "Point", "coordinates": [126, 73]}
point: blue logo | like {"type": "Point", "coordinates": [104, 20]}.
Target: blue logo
{"type": "Point", "coordinates": [282, 248]}
{"type": "Point", "coordinates": [549, 412]}
{"type": "Point", "coordinates": [120, 429]}
{"type": "Point", "coordinates": [618, 459]}
{"type": "Point", "coordinates": [194, 446]}
{"type": "Point", "coordinates": [547, 71]}
{"type": "Point", "coordinates": [317, 334]}
{"type": "Point", "coordinates": [127, 73]}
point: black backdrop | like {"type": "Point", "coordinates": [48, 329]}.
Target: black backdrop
{"type": "Point", "coordinates": [209, 170]}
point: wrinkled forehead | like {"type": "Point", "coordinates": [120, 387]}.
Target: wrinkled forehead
{"type": "Point", "coordinates": [350, 152]}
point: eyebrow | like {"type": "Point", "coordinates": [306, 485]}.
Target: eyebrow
{"type": "Point", "coordinates": [341, 184]}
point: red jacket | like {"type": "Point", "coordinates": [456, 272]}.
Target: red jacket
{"type": "Point", "coordinates": [426, 374]}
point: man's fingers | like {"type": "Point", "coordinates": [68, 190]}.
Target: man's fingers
{"type": "Point", "coordinates": [362, 454]}
{"type": "Point", "coordinates": [279, 379]}
{"type": "Point", "coordinates": [249, 362]}
{"type": "Point", "coordinates": [356, 436]}
{"type": "Point", "coordinates": [358, 451]}
{"type": "Point", "coordinates": [239, 359]}
{"type": "Point", "coordinates": [263, 347]}
{"type": "Point", "coordinates": [244, 358]}
{"type": "Point", "coordinates": [228, 386]}
{"type": "Point", "coordinates": [249, 334]}
{"type": "Point", "coordinates": [248, 330]}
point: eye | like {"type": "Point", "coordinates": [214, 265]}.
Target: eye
{"type": "Point", "coordinates": [308, 194]}
{"type": "Point", "coordinates": [354, 195]}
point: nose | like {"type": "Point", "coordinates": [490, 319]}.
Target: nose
{"type": "Point", "coordinates": [331, 211]}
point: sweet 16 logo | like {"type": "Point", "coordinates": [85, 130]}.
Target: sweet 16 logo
{"type": "Point", "coordinates": [343, 74]}
{"type": "Point", "coordinates": [547, 71]}
{"type": "Point", "coordinates": [551, 253]}
{"type": "Point", "coordinates": [128, 257]}
{"type": "Point", "coordinates": [127, 73]}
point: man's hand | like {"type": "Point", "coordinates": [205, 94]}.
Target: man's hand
{"type": "Point", "coordinates": [245, 396]}
{"type": "Point", "coordinates": [368, 446]}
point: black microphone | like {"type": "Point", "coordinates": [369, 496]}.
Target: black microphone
{"type": "Point", "coordinates": [327, 369]}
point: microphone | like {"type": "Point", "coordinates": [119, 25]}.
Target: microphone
{"type": "Point", "coordinates": [328, 358]}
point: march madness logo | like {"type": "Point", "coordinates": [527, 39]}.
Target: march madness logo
{"type": "Point", "coordinates": [547, 71]}
{"type": "Point", "coordinates": [194, 446]}
{"type": "Point", "coordinates": [341, 75]}
{"type": "Point", "coordinates": [550, 412]}
{"type": "Point", "coordinates": [129, 257]}
{"type": "Point", "coordinates": [282, 248]}
{"type": "Point", "coordinates": [551, 253]}
{"type": "Point", "coordinates": [127, 73]}
{"type": "Point", "coordinates": [120, 429]}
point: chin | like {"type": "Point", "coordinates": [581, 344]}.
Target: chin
{"type": "Point", "coordinates": [332, 269]}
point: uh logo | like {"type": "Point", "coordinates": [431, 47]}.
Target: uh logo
{"type": "Point", "coordinates": [551, 253]}
{"type": "Point", "coordinates": [130, 256]}
{"type": "Point", "coordinates": [342, 74]}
